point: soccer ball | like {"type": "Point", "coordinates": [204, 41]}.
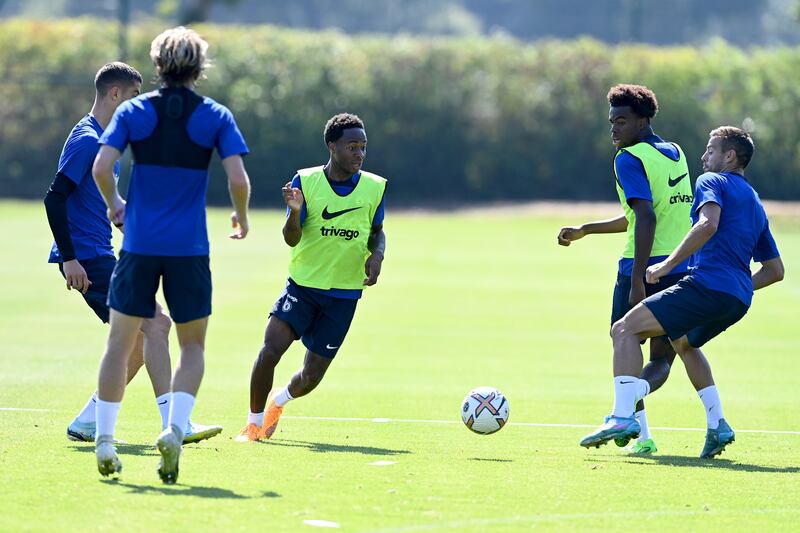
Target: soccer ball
{"type": "Point", "coordinates": [485, 410]}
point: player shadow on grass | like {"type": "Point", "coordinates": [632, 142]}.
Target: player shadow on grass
{"type": "Point", "coordinates": [727, 464]}
{"type": "Point", "coordinates": [183, 490]}
{"type": "Point", "coordinates": [324, 447]}
{"type": "Point", "coordinates": [122, 449]}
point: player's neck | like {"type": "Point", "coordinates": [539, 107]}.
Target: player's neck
{"type": "Point", "coordinates": [334, 173]}
{"type": "Point", "coordinates": [645, 133]}
{"type": "Point", "coordinates": [188, 85]}
{"type": "Point", "coordinates": [733, 170]}
{"type": "Point", "coordinates": [102, 113]}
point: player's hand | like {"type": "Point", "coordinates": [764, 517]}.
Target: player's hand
{"type": "Point", "coordinates": [116, 212]}
{"type": "Point", "coordinates": [570, 233]}
{"type": "Point", "coordinates": [655, 272]}
{"type": "Point", "coordinates": [241, 225]}
{"type": "Point", "coordinates": [76, 276]}
{"type": "Point", "coordinates": [637, 293]}
{"type": "Point", "coordinates": [293, 197]}
{"type": "Point", "coordinates": [372, 268]}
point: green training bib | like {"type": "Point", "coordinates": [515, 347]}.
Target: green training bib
{"type": "Point", "coordinates": [333, 246]}
{"type": "Point", "coordinates": [671, 188]}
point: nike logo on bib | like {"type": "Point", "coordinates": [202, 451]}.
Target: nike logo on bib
{"type": "Point", "coordinates": [674, 182]}
{"type": "Point", "coordinates": [327, 215]}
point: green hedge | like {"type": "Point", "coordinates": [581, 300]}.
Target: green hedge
{"type": "Point", "coordinates": [449, 120]}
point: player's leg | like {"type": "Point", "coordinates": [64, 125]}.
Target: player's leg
{"type": "Point", "coordinates": [627, 334]}
{"type": "Point", "coordinates": [291, 315]}
{"type": "Point", "coordinates": [187, 290]}
{"type": "Point", "coordinates": [723, 311]}
{"type": "Point", "coordinates": [309, 376]}
{"type": "Point", "coordinates": [185, 384]}
{"type": "Point", "coordinates": [718, 433]}
{"type": "Point", "coordinates": [655, 372]}
{"type": "Point", "coordinates": [83, 427]}
{"type": "Point", "coordinates": [131, 298]}
{"type": "Point", "coordinates": [157, 361]}
{"type": "Point", "coordinates": [323, 338]}
{"type": "Point", "coordinates": [619, 308]}
{"type": "Point", "coordinates": [278, 336]}
{"type": "Point", "coordinates": [111, 387]}
{"type": "Point", "coordinates": [155, 349]}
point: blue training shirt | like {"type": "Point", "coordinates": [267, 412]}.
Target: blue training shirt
{"type": "Point", "coordinates": [166, 205]}
{"type": "Point", "coordinates": [89, 226]}
{"type": "Point", "coordinates": [342, 188]}
{"type": "Point", "coordinates": [723, 263]}
{"type": "Point", "coordinates": [635, 185]}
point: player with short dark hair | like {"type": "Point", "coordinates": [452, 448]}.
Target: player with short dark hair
{"type": "Point", "coordinates": [172, 132]}
{"type": "Point", "coordinates": [655, 192]}
{"type": "Point", "coordinates": [334, 224]}
{"type": "Point", "coordinates": [83, 250]}
{"type": "Point", "coordinates": [115, 74]}
{"type": "Point", "coordinates": [730, 229]}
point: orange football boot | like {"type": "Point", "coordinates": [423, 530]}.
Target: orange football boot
{"type": "Point", "coordinates": [272, 414]}
{"type": "Point", "coordinates": [249, 433]}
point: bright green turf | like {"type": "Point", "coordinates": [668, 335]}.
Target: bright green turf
{"type": "Point", "coordinates": [464, 300]}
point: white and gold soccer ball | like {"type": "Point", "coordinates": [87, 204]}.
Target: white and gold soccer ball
{"type": "Point", "coordinates": [484, 410]}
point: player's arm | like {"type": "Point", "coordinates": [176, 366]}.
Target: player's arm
{"type": "Point", "coordinates": [644, 234]}
{"type": "Point", "coordinates": [572, 233]}
{"type": "Point", "coordinates": [766, 253]}
{"type": "Point", "coordinates": [55, 204]}
{"type": "Point", "coordinates": [239, 189]}
{"type": "Point", "coordinates": [103, 173]}
{"type": "Point", "coordinates": [700, 233]}
{"type": "Point", "coordinates": [293, 227]}
{"type": "Point", "coordinates": [771, 271]}
{"type": "Point", "coordinates": [377, 246]}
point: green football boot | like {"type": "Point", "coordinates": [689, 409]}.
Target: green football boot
{"type": "Point", "coordinates": [642, 447]}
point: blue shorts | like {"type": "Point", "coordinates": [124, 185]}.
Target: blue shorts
{"type": "Point", "coordinates": [690, 309]}
{"type": "Point", "coordinates": [319, 320]}
{"type": "Point", "coordinates": [622, 289]}
{"type": "Point", "coordinates": [98, 270]}
{"type": "Point", "coordinates": [187, 285]}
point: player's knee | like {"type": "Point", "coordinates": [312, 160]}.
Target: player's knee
{"type": "Point", "coordinates": [269, 354]}
{"type": "Point", "coordinates": [619, 329]}
{"type": "Point", "coordinates": [158, 326]}
{"type": "Point", "coordinates": [682, 347]}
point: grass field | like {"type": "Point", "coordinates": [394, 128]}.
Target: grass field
{"type": "Point", "coordinates": [465, 299]}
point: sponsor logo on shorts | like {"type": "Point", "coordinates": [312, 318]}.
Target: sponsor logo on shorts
{"type": "Point", "coordinates": [346, 234]}
{"type": "Point", "coordinates": [287, 302]}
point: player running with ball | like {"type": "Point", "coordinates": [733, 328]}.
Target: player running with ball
{"type": "Point", "coordinates": [334, 225]}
